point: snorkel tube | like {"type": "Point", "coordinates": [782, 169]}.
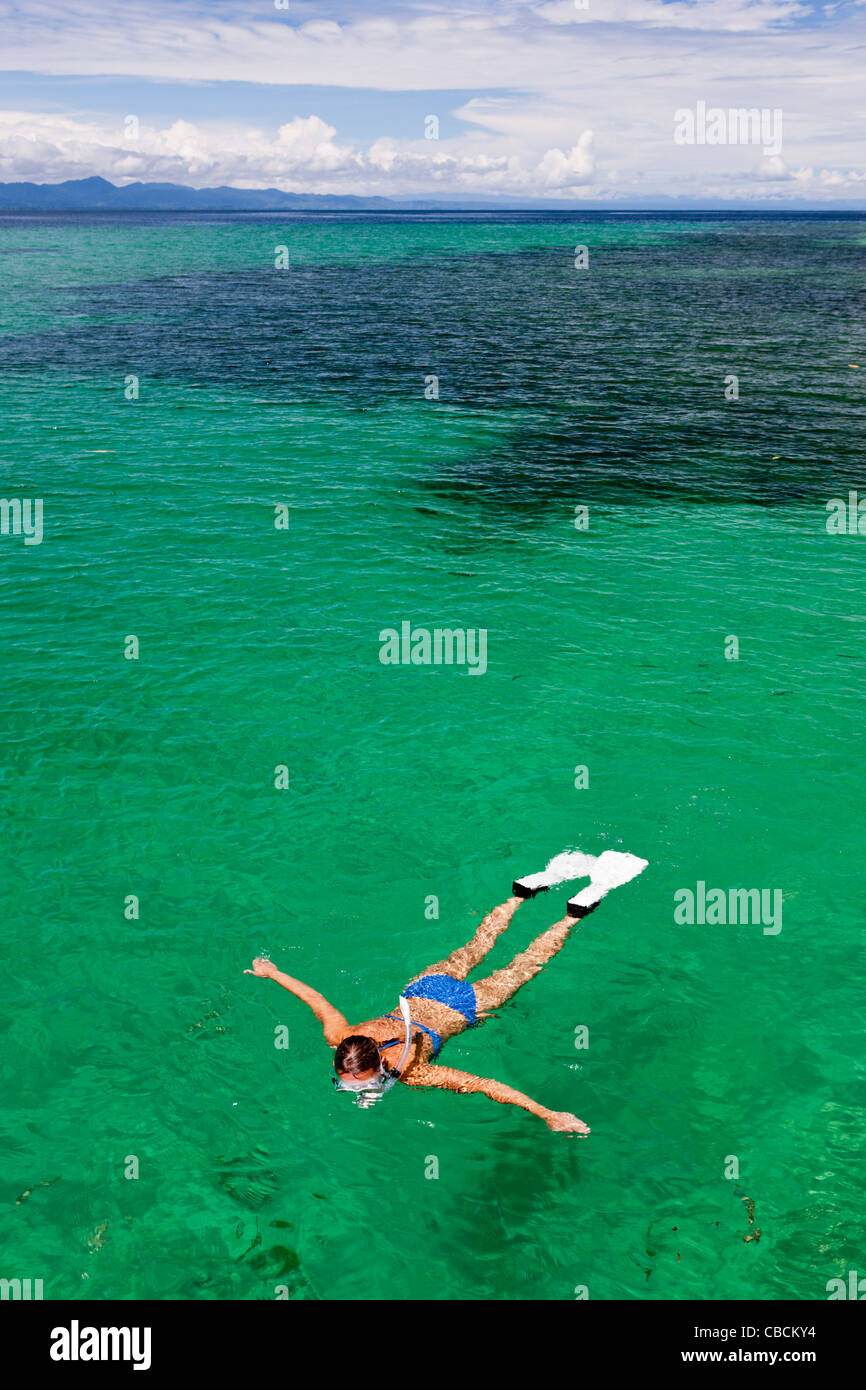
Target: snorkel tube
{"type": "Point", "coordinates": [368, 1092]}
{"type": "Point", "coordinates": [395, 1072]}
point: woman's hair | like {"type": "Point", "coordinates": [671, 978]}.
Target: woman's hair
{"type": "Point", "coordinates": [356, 1054]}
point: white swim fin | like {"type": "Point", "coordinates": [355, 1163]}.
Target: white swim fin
{"type": "Point", "coordinates": [571, 864]}
{"type": "Point", "coordinates": [610, 870]}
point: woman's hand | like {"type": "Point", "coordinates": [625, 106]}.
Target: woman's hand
{"type": "Point", "coordinates": [262, 967]}
{"type": "Point", "coordinates": [563, 1122]}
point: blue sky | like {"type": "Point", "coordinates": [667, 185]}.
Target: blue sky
{"type": "Point", "coordinates": [532, 98]}
{"type": "Point", "coordinates": [368, 114]}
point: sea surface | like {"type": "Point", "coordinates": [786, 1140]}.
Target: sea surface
{"type": "Point", "coordinates": [171, 394]}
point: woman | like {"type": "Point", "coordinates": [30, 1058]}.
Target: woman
{"type": "Point", "coordinates": [370, 1058]}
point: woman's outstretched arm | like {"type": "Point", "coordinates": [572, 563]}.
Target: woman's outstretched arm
{"type": "Point", "coordinates": [425, 1075]}
{"type": "Point", "coordinates": [333, 1023]}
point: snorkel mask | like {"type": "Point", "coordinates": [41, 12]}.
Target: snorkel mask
{"type": "Point", "coordinates": [368, 1092]}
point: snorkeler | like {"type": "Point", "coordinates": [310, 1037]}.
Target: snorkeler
{"type": "Point", "coordinates": [371, 1057]}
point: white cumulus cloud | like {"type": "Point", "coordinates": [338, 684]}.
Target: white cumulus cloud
{"type": "Point", "coordinates": [302, 155]}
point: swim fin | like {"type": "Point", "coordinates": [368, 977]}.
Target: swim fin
{"type": "Point", "coordinates": [563, 868]}
{"type": "Point", "coordinates": [611, 870]}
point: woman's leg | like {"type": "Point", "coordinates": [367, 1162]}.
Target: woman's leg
{"type": "Point", "coordinates": [502, 984]}
{"type": "Point", "coordinates": [465, 958]}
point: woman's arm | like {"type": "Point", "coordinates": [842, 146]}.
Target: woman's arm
{"type": "Point", "coordinates": [425, 1075]}
{"type": "Point", "coordinates": [333, 1023]}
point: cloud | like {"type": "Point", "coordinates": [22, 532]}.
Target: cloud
{"type": "Point", "coordinates": [301, 155]}
{"type": "Point", "coordinates": [513, 43]}
{"type": "Point", "coordinates": [559, 170]}
{"type": "Point", "coordinates": [305, 155]}
{"type": "Point", "coordinates": [773, 168]}
{"type": "Point", "coordinates": [568, 101]}
{"type": "Point", "coordinates": [736, 16]}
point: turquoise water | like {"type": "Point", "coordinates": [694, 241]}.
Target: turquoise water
{"type": "Point", "coordinates": [260, 647]}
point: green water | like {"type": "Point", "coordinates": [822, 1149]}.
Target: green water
{"type": "Point", "coordinates": [260, 647]}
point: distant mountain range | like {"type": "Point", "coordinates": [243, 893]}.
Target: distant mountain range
{"type": "Point", "coordinates": [98, 195]}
